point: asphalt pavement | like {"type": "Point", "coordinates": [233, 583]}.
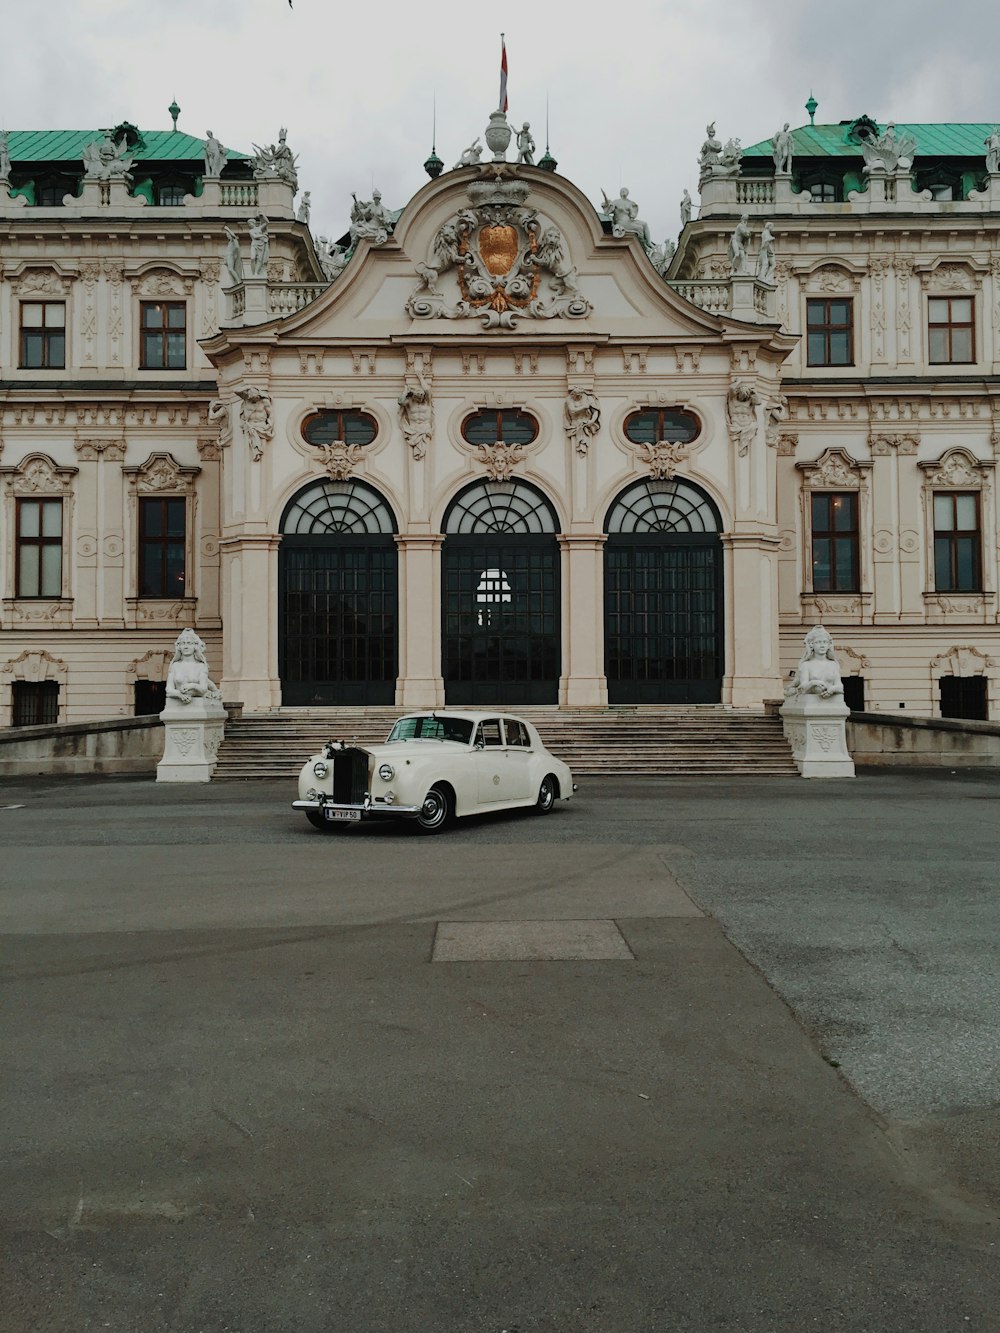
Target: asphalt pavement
{"type": "Point", "coordinates": [684, 1055]}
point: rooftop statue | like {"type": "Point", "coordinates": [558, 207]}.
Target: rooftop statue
{"type": "Point", "coordinates": [4, 155]}
{"type": "Point", "coordinates": [105, 160]}
{"type": "Point", "coordinates": [817, 672]}
{"type": "Point", "coordinates": [887, 153]}
{"type": "Point", "coordinates": [992, 142]}
{"type": "Point", "coordinates": [370, 221]}
{"type": "Point", "coordinates": [234, 258]}
{"type": "Point", "coordinates": [625, 220]}
{"type": "Point", "coordinates": [215, 155]}
{"type": "Point", "coordinates": [662, 255]}
{"type": "Point", "coordinates": [781, 148]}
{"type": "Point", "coordinates": [738, 242]}
{"type": "Point", "coordinates": [332, 258]}
{"type": "Point", "coordinates": [685, 208]}
{"type": "Point", "coordinates": [711, 151]}
{"type": "Point", "coordinates": [525, 145]}
{"type": "Point", "coordinates": [765, 255]}
{"type": "Point", "coordinates": [471, 155]}
{"type": "Point", "coordinates": [187, 676]}
{"type": "Point", "coordinates": [260, 245]}
{"type": "Point", "coordinates": [730, 159]}
{"type": "Point", "coordinates": [276, 161]}
{"type": "Point", "coordinates": [305, 207]}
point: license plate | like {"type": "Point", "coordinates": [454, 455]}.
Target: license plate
{"type": "Point", "coordinates": [349, 816]}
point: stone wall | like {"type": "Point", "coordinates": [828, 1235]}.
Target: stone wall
{"type": "Point", "coordinates": [126, 745]}
{"type": "Point", "coordinates": [922, 742]}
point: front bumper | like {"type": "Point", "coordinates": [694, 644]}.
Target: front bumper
{"type": "Point", "coordinates": [369, 809]}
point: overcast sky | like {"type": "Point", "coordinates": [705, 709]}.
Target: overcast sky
{"type": "Point", "coordinates": [631, 85]}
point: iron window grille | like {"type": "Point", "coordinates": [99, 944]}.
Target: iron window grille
{"type": "Point", "coordinates": [36, 703]}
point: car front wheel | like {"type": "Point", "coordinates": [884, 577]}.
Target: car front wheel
{"type": "Point", "coordinates": [436, 810]}
{"type": "Point", "coordinates": [546, 796]}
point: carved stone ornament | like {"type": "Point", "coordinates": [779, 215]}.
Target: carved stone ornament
{"type": "Point", "coordinates": [833, 470]}
{"type": "Point", "coordinates": [502, 261]}
{"type": "Point", "coordinates": [663, 458]}
{"type": "Point", "coordinates": [829, 278]}
{"type": "Point", "coordinates": [164, 282]}
{"type": "Point", "coordinates": [883, 445]}
{"type": "Point", "coordinates": [957, 469]}
{"type": "Point", "coordinates": [949, 278]}
{"type": "Point", "coordinates": [500, 459]}
{"type": "Point", "coordinates": [256, 419]}
{"type": "Point", "coordinates": [961, 661]}
{"type": "Point", "coordinates": [161, 473]}
{"type": "Point", "coordinates": [41, 282]}
{"type": "Point", "coordinates": [742, 402]}
{"type": "Point", "coordinates": [340, 459]}
{"type": "Point", "coordinates": [219, 415]}
{"type": "Point", "coordinates": [92, 449]}
{"type": "Point", "coordinates": [39, 475]}
{"type": "Point", "coordinates": [582, 417]}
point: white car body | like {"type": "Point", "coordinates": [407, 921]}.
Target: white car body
{"type": "Point", "coordinates": [446, 763]}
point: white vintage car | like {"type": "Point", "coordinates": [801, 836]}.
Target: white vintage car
{"type": "Point", "coordinates": [433, 767]}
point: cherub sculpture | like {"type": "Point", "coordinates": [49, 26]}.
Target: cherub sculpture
{"type": "Point", "coordinates": [471, 155]}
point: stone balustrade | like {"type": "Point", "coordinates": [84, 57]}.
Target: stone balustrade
{"type": "Point", "coordinates": [287, 297]}
{"type": "Point", "coordinates": [218, 198]}
{"type": "Point", "coordinates": [711, 296]}
{"type": "Point", "coordinates": [743, 297]}
{"type": "Point", "coordinates": [764, 196]}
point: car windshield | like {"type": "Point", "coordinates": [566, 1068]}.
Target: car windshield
{"type": "Point", "coordinates": [432, 728]}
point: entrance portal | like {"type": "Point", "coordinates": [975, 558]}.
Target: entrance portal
{"type": "Point", "coordinates": [338, 609]}
{"type": "Point", "coordinates": [663, 595]}
{"type": "Point", "coordinates": [500, 597]}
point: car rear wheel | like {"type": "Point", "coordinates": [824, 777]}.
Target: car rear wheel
{"type": "Point", "coordinates": [546, 795]}
{"type": "Point", "coordinates": [436, 810]}
{"type": "Point", "coordinates": [318, 820]}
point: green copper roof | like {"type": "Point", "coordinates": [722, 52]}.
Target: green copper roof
{"type": "Point", "coordinates": [932, 141]}
{"type": "Point", "coordinates": [68, 146]}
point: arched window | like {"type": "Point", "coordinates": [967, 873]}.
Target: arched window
{"type": "Point", "coordinates": [344, 427]}
{"type": "Point", "coordinates": [329, 507]}
{"type": "Point", "coordinates": [650, 425]}
{"type": "Point", "coordinates": [500, 506]}
{"type": "Point", "coordinates": [508, 425]}
{"type": "Point", "coordinates": [663, 506]}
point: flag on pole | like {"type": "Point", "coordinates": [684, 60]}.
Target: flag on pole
{"type": "Point", "coordinates": [502, 104]}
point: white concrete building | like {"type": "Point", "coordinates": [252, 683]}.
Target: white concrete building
{"type": "Point", "coordinates": [509, 452]}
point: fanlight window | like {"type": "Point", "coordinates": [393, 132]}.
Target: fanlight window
{"type": "Point", "coordinates": [663, 506]}
{"type": "Point", "coordinates": [346, 507]}
{"type": "Point", "coordinates": [653, 424]}
{"type": "Point", "coordinates": [340, 427]}
{"type": "Point", "coordinates": [504, 426]}
{"type": "Point", "coordinates": [500, 506]}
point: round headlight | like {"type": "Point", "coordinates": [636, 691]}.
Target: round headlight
{"type": "Point", "coordinates": [321, 769]}
{"type": "Point", "coordinates": [386, 772]}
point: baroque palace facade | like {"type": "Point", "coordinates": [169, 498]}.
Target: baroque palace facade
{"type": "Point", "coordinates": [499, 448]}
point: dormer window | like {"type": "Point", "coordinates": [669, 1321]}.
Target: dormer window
{"type": "Point", "coordinates": [824, 189]}
{"type": "Point", "coordinates": [170, 193]}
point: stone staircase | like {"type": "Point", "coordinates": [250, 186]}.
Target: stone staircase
{"type": "Point", "coordinates": [608, 742]}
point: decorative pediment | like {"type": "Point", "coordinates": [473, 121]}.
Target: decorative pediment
{"type": "Point", "coordinates": [961, 662]}
{"type": "Point", "coordinates": [833, 278]}
{"type": "Point", "coordinates": [834, 470]}
{"type": "Point", "coordinates": [163, 281]}
{"type": "Point", "coordinates": [950, 278]}
{"type": "Point", "coordinates": [498, 261]}
{"type": "Point", "coordinates": [957, 469]}
{"type": "Point", "coordinates": [37, 474]}
{"type": "Point", "coordinates": [153, 665]}
{"type": "Point", "coordinates": [161, 473]}
{"type": "Point", "coordinates": [35, 665]}
{"type": "Point", "coordinates": [41, 281]}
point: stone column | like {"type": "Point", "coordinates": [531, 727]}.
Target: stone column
{"type": "Point", "coordinates": [420, 683]}
{"type": "Point", "coordinates": [583, 682]}
{"type": "Point", "coordinates": [753, 670]}
{"type": "Point", "coordinates": [250, 618]}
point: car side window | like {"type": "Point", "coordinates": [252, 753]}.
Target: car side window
{"type": "Point", "coordinates": [517, 734]}
{"type": "Point", "coordinates": [489, 732]}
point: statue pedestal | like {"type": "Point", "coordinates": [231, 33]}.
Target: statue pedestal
{"type": "Point", "coordinates": [815, 729]}
{"type": "Point", "coordinates": [192, 735]}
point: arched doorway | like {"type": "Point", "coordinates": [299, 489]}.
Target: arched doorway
{"type": "Point", "coordinates": [500, 596]}
{"type": "Point", "coordinates": [338, 602]}
{"type": "Point", "coordinates": [663, 595]}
